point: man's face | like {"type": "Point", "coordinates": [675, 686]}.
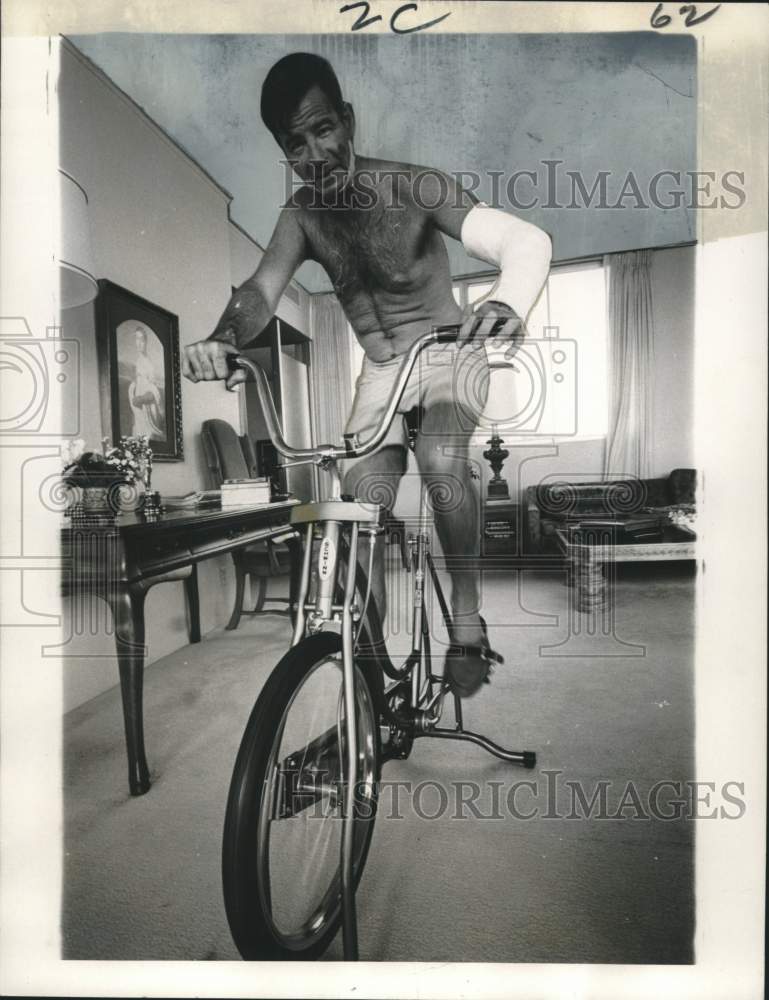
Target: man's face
{"type": "Point", "coordinates": [317, 142]}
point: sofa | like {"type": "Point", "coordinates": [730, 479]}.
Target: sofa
{"type": "Point", "coordinates": [554, 504]}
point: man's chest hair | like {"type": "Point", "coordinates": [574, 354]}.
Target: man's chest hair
{"type": "Point", "coordinates": [366, 248]}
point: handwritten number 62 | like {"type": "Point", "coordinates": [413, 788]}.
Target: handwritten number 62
{"type": "Point", "coordinates": [660, 20]}
{"type": "Point", "coordinates": [363, 20]}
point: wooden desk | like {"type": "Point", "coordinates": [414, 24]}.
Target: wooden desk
{"type": "Point", "coordinates": [120, 563]}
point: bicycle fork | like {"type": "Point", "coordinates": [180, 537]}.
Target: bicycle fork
{"type": "Point", "coordinates": [349, 922]}
{"type": "Point", "coordinates": [332, 515]}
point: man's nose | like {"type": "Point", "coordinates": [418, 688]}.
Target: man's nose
{"type": "Point", "coordinates": [315, 151]}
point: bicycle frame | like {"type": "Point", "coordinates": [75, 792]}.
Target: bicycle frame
{"type": "Point", "coordinates": [341, 517]}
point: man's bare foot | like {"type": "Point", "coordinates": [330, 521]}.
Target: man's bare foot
{"type": "Point", "coordinates": [465, 625]}
{"type": "Point", "coordinates": [466, 629]}
{"type": "Point", "coordinates": [469, 657]}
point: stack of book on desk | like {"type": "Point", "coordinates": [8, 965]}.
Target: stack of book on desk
{"type": "Point", "coordinates": [245, 492]}
{"type": "Point", "coordinates": [198, 498]}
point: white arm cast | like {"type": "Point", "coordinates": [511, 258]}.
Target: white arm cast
{"type": "Point", "coordinates": [520, 250]}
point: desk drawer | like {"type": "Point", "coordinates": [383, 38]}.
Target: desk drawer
{"type": "Point", "coordinates": [208, 544]}
{"type": "Point", "coordinates": [499, 534]}
{"type": "Point", "coordinates": [161, 554]}
{"type": "Point", "coordinates": [497, 542]}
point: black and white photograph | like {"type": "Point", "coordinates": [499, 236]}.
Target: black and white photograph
{"type": "Point", "coordinates": [431, 649]}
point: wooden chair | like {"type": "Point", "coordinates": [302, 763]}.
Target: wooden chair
{"type": "Point", "coordinates": [230, 456]}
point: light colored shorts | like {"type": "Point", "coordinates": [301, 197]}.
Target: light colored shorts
{"type": "Point", "coordinates": [443, 373]}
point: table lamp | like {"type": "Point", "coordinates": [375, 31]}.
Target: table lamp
{"type": "Point", "coordinates": [77, 282]}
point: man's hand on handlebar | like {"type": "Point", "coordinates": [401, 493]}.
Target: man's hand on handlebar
{"type": "Point", "coordinates": [206, 361]}
{"type": "Point", "coordinates": [494, 322]}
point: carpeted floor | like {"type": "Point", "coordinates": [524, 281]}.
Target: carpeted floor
{"type": "Point", "coordinates": [142, 876]}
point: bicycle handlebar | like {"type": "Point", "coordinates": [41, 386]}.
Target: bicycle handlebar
{"type": "Point", "coordinates": [446, 334]}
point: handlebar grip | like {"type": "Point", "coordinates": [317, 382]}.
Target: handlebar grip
{"type": "Point", "coordinates": [449, 332]}
{"type": "Point", "coordinates": [233, 362]}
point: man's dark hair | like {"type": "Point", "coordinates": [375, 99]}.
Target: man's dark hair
{"type": "Point", "coordinates": [287, 83]}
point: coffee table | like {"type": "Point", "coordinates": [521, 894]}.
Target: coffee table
{"type": "Point", "coordinates": [588, 550]}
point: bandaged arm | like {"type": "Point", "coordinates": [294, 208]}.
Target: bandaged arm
{"type": "Point", "coordinates": [520, 250]}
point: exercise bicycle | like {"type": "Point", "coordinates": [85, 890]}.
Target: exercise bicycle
{"type": "Point", "coordinates": [303, 794]}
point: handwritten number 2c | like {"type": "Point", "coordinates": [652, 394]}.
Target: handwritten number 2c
{"type": "Point", "coordinates": [364, 20]}
{"type": "Point", "coordinates": [418, 27]}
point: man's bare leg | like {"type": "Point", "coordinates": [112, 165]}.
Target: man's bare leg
{"type": "Point", "coordinates": [376, 479]}
{"type": "Point", "coordinates": [442, 454]}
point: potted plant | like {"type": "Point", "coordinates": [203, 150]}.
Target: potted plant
{"type": "Point", "coordinates": [103, 484]}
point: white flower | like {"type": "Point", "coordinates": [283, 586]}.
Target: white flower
{"type": "Point", "coordinates": [71, 451]}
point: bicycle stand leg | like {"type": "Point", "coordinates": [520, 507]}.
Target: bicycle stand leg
{"type": "Point", "coordinates": [525, 757]}
{"type": "Point", "coordinates": [349, 923]}
{"type": "Point", "coordinates": [458, 711]}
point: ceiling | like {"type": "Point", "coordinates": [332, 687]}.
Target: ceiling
{"type": "Point", "coordinates": [488, 103]}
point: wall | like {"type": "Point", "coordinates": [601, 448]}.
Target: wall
{"type": "Point", "coordinates": [160, 228]}
{"type": "Point", "coordinates": [297, 423]}
{"type": "Point", "coordinates": [673, 280]}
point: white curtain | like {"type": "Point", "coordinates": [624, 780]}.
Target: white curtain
{"type": "Point", "coordinates": [330, 369]}
{"type": "Point", "coordinates": [631, 365]}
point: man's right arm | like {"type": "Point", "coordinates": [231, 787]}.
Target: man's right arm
{"type": "Point", "coordinates": [251, 307]}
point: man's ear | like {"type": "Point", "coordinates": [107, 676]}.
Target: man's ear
{"type": "Point", "coordinates": [348, 117]}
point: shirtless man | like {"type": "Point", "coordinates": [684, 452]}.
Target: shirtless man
{"type": "Point", "coordinates": [375, 226]}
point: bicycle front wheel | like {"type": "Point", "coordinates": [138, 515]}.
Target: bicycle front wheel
{"type": "Point", "coordinates": [283, 826]}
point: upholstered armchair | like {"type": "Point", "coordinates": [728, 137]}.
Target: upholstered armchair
{"type": "Point", "coordinates": [230, 456]}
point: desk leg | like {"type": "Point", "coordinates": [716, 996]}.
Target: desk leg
{"type": "Point", "coordinates": [193, 603]}
{"type": "Point", "coordinates": [128, 612]}
{"type": "Point", "coordinates": [240, 590]}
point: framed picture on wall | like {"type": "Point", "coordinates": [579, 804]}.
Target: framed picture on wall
{"type": "Point", "coordinates": [139, 382]}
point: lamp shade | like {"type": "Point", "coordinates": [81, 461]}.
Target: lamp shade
{"type": "Point", "coordinates": [77, 282]}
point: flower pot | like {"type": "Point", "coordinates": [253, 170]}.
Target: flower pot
{"type": "Point", "coordinates": [100, 504]}
{"type": "Point", "coordinates": [93, 505]}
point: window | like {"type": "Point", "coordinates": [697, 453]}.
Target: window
{"type": "Point", "coordinates": [559, 385]}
